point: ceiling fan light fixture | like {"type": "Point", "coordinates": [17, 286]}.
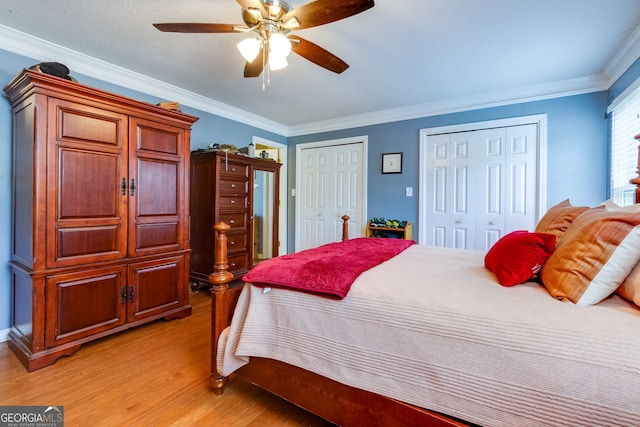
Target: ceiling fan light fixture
{"type": "Point", "coordinates": [275, 11]}
{"type": "Point", "coordinates": [277, 62]}
{"type": "Point", "coordinates": [291, 23]}
{"type": "Point", "coordinates": [255, 13]}
{"type": "Point", "coordinates": [279, 45]}
{"type": "Point", "coordinates": [249, 48]}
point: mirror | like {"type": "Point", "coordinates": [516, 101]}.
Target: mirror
{"type": "Point", "coordinates": [263, 215]}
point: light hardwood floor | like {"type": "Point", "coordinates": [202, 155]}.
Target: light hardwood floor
{"type": "Point", "coordinates": [153, 375]}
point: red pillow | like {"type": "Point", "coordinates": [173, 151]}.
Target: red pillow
{"type": "Point", "coordinates": [519, 255]}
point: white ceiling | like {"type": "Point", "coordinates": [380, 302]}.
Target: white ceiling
{"type": "Point", "coordinates": [405, 56]}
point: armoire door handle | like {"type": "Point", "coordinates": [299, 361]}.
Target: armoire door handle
{"type": "Point", "coordinates": [124, 186]}
{"type": "Point", "coordinates": [133, 187]}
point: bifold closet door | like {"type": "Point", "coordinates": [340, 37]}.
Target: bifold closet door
{"type": "Point", "coordinates": [481, 185]}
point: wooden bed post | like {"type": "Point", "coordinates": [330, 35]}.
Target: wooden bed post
{"type": "Point", "coordinates": [219, 281]}
{"type": "Point", "coordinates": [345, 227]}
{"type": "Point", "coordinates": [636, 181]}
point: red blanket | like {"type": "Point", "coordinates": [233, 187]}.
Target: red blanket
{"type": "Point", "coordinates": [329, 269]}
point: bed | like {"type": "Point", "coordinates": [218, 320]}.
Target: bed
{"type": "Point", "coordinates": [415, 341]}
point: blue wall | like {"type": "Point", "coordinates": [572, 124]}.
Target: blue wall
{"type": "Point", "coordinates": [577, 151]}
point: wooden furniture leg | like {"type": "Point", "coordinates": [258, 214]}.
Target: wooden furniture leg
{"type": "Point", "coordinates": [345, 227]}
{"type": "Point", "coordinates": [220, 307]}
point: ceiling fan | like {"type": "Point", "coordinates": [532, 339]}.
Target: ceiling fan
{"type": "Point", "coordinates": [270, 23]}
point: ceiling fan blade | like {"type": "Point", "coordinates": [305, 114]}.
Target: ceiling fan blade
{"type": "Point", "coordinates": [322, 12]}
{"type": "Point", "coordinates": [317, 55]}
{"type": "Point", "coordinates": [254, 69]}
{"type": "Point", "coordinates": [194, 27]}
{"type": "Point", "coordinates": [250, 5]}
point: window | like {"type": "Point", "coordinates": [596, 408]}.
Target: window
{"type": "Point", "coordinates": [625, 125]}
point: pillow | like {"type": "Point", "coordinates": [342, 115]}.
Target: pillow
{"type": "Point", "coordinates": [630, 288]}
{"type": "Point", "coordinates": [519, 255]}
{"type": "Point", "coordinates": [558, 218]}
{"type": "Point", "coordinates": [594, 256]}
{"type": "Point", "coordinates": [610, 205]}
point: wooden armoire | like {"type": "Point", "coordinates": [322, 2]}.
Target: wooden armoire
{"type": "Point", "coordinates": [100, 211]}
{"type": "Point", "coordinates": [242, 192]}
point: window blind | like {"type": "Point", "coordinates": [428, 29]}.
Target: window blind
{"type": "Point", "coordinates": [625, 125]}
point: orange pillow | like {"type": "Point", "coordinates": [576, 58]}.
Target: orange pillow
{"type": "Point", "coordinates": [518, 256]}
{"type": "Point", "coordinates": [559, 218]}
{"type": "Point", "coordinates": [594, 256]}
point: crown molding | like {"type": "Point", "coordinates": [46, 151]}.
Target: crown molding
{"type": "Point", "coordinates": [624, 58]}
{"type": "Point", "coordinates": [496, 99]}
{"type": "Point", "coordinates": [41, 50]}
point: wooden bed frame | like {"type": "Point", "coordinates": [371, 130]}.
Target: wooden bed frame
{"type": "Point", "coordinates": [331, 400]}
{"type": "Point", "coordinates": [340, 404]}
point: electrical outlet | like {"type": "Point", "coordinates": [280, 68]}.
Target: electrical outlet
{"type": "Point", "coordinates": [408, 191]}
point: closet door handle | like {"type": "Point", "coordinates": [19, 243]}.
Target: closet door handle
{"type": "Point", "coordinates": [123, 294]}
{"type": "Point", "coordinates": [130, 293]}
{"type": "Point", "coordinates": [124, 186]}
{"type": "Point", "coordinates": [133, 187]}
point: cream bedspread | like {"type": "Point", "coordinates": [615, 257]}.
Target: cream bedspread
{"type": "Point", "coordinates": [431, 327]}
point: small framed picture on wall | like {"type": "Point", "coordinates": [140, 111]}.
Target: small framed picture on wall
{"type": "Point", "coordinates": [391, 162]}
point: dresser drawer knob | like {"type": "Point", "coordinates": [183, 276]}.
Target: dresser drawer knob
{"type": "Point", "coordinates": [233, 221]}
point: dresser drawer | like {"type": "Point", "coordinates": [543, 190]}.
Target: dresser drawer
{"type": "Point", "coordinates": [234, 220]}
{"type": "Point", "coordinates": [233, 171]}
{"type": "Point", "coordinates": [233, 186]}
{"type": "Point", "coordinates": [230, 202]}
{"type": "Point", "coordinates": [236, 242]}
{"type": "Point", "coordinates": [238, 262]}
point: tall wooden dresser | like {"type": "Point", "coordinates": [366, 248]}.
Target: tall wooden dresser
{"type": "Point", "coordinates": [100, 215]}
{"type": "Point", "coordinates": [242, 192]}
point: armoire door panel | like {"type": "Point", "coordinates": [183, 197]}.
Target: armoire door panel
{"type": "Point", "coordinates": [87, 241]}
{"type": "Point", "coordinates": [158, 138]}
{"type": "Point", "coordinates": [153, 287]}
{"type": "Point", "coordinates": [88, 124]}
{"type": "Point", "coordinates": [158, 188]}
{"type": "Point", "coordinates": [158, 235]}
{"type": "Point", "coordinates": [84, 303]}
{"type": "Point", "coordinates": [86, 209]}
{"type": "Point", "coordinates": [89, 185]}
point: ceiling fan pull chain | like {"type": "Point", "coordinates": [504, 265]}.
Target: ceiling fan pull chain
{"type": "Point", "coordinates": [264, 65]}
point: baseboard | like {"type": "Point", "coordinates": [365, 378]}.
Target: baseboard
{"type": "Point", "coordinates": [4, 334]}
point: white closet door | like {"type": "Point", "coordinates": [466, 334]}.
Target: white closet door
{"type": "Point", "coordinates": [332, 181]}
{"type": "Point", "coordinates": [450, 198]}
{"type": "Point", "coordinates": [522, 175]}
{"type": "Point", "coordinates": [490, 187]}
{"type": "Point", "coordinates": [481, 185]}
